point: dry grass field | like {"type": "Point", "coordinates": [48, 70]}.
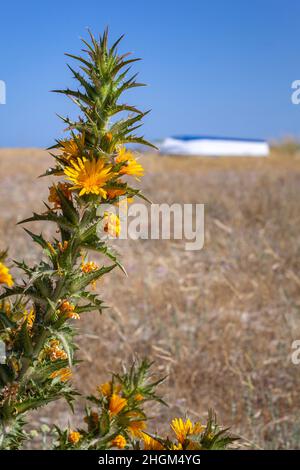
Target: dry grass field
{"type": "Point", "coordinates": [220, 321]}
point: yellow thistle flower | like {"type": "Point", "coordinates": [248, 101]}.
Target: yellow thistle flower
{"type": "Point", "coordinates": [131, 166]}
{"type": "Point", "coordinates": [5, 276]}
{"type": "Point", "coordinates": [57, 354]}
{"type": "Point", "coordinates": [150, 443]}
{"type": "Point", "coordinates": [74, 437]}
{"type": "Point", "coordinates": [111, 224]}
{"type": "Point", "coordinates": [64, 374]}
{"type": "Point", "coordinates": [53, 196]}
{"type": "Point", "coordinates": [68, 309]}
{"type": "Point", "coordinates": [107, 389]}
{"type": "Point", "coordinates": [183, 429]}
{"type": "Point", "coordinates": [116, 404]}
{"type": "Point", "coordinates": [88, 176]}
{"type": "Point", "coordinates": [198, 428]}
{"type": "Point", "coordinates": [74, 315]}
{"type": "Point", "coordinates": [54, 351]}
{"type": "Point", "coordinates": [72, 148]}
{"type": "Point", "coordinates": [89, 267]}
{"type": "Point", "coordinates": [135, 427]}
{"type": "Point", "coordinates": [119, 441]}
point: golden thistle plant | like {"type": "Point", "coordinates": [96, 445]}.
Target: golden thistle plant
{"type": "Point", "coordinates": [37, 314]}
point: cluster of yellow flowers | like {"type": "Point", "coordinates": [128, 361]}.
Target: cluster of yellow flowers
{"type": "Point", "coordinates": [91, 176]}
{"type": "Point", "coordinates": [54, 351]}
{"type": "Point", "coordinates": [5, 276]}
{"type": "Point", "coordinates": [118, 403]}
{"type": "Point", "coordinates": [123, 413]}
{"type": "Point", "coordinates": [183, 430]}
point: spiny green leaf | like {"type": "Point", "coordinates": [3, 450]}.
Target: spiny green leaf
{"type": "Point", "coordinates": [86, 279]}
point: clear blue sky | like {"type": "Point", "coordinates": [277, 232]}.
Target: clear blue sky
{"type": "Point", "coordinates": [213, 66]}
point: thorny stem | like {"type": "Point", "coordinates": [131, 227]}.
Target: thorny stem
{"type": "Point", "coordinates": [45, 333]}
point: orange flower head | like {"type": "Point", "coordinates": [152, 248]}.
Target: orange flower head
{"type": "Point", "coordinates": [64, 374]}
{"type": "Point", "coordinates": [55, 352]}
{"type": "Point", "coordinates": [89, 267]}
{"type": "Point", "coordinates": [136, 426]}
{"type": "Point", "coordinates": [105, 389]}
{"type": "Point", "coordinates": [116, 404]}
{"type": "Point", "coordinates": [68, 309]}
{"type": "Point", "coordinates": [74, 437]}
{"type": "Point", "coordinates": [119, 441]}
{"type": "Point", "coordinates": [108, 388]}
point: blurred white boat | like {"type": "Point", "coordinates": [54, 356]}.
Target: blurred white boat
{"type": "Point", "coordinates": [214, 146]}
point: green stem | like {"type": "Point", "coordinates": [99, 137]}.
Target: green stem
{"type": "Point", "coordinates": [45, 333]}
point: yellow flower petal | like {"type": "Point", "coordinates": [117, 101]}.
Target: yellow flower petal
{"type": "Point", "coordinates": [88, 176]}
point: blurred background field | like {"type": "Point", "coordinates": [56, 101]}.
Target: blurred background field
{"type": "Point", "coordinates": [220, 321]}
